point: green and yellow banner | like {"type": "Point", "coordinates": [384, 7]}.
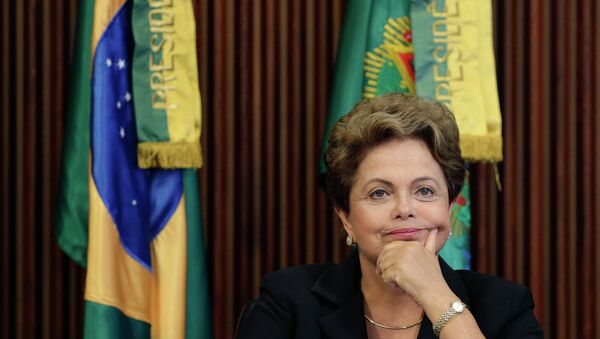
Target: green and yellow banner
{"type": "Point", "coordinates": [165, 78]}
{"type": "Point", "coordinates": [454, 63]}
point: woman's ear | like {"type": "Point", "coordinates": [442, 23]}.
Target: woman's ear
{"type": "Point", "coordinates": [345, 221]}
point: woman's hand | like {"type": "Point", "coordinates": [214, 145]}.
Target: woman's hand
{"type": "Point", "coordinates": [413, 268]}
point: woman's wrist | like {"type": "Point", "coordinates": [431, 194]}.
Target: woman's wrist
{"type": "Point", "coordinates": [435, 304]}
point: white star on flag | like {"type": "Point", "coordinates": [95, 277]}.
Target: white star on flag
{"type": "Point", "coordinates": [121, 63]}
{"type": "Point", "coordinates": [127, 96]}
{"type": "Point", "coordinates": [108, 62]}
{"type": "Point", "coordinates": [134, 202]}
{"type": "Point", "coordinates": [122, 132]}
{"type": "Point", "coordinates": [118, 104]}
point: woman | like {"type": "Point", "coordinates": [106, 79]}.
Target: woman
{"type": "Point", "coordinates": [394, 168]}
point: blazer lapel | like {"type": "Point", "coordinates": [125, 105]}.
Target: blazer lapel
{"type": "Point", "coordinates": [342, 306]}
{"type": "Point", "coordinates": [346, 321]}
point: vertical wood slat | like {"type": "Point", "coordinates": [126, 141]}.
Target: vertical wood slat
{"type": "Point", "coordinates": [291, 176]}
{"type": "Point", "coordinates": [596, 144]}
{"type": "Point", "coordinates": [231, 133]}
{"type": "Point", "coordinates": [270, 150]}
{"type": "Point", "coordinates": [225, 96]}
{"type": "Point", "coordinates": [584, 77]}
{"type": "Point", "coordinates": [509, 130]}
{"type": "Point", "coordinates": [521, 116]}
{"type": "Point", "coordinates": [46, 175]}
{"type": "Point", "coordinates": [283, 107]}
{"type": "Point", "coordinates": [20, 150]}
{"type": "Point", "coordinates": [546, 308]}
{"type": "Point", "coordinates": [537, 148]}
{"type": "Point", "coordinates": [6, 283]}
{"type": "Point", "coordinates": [30, 135]}
{"type": "Point", "coordinates": [242, 240]}
{"type": "Point", "coordinates": [484, 231]}
{"type": "Point", "coordinates": [257, 131]}
{"type": "Point", "coordinates": [561, 231]}
{"type": "Point", "coordinates": [322, 51]}
{"type": "Point", "coordinates": [216, 217]}
{"type": "Point", "coordinates": [565, 162]}
{"type": "Point", "coordinates": [309, 164]}
{"type": "Point", "coordinates": [573, 109]}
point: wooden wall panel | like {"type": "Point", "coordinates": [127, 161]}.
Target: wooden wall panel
{"type": "Point", "coordinates": [546, 229]}
{"type": "Point", "coordinates": [41, 288]}
{"type": "Point", "coordinates": [266, 94]}
{"type": "Point", "coordinates": [265, 68]}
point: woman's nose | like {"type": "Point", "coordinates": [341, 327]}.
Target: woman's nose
{"type": "Point", "coordinates": [404, 207]}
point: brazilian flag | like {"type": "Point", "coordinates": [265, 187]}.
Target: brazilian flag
{"type": "Point", "coordinates": [138, 232]}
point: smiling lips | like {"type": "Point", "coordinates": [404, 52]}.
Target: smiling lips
{"type": "Point", "coordinates": [413, 233]}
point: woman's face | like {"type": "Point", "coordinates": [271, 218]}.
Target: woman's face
{"type": "Point", "coordinates": [399, 194]}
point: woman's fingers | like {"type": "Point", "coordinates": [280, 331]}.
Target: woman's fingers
{"type": "Point", "coordinates": [409, 266]}
{"type": "Point", "coordinates": [430, 243]}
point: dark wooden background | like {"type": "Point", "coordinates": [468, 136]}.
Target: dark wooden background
{"type": "Point", "coordinates": [265, 69]}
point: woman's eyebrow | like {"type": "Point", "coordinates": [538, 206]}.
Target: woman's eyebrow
{"type": "Point", "coordinates": [378, 180]}
{"type": "Point", "coordinates": [389, 183]}
{"type": "Point", "coordinates": [423, 179]}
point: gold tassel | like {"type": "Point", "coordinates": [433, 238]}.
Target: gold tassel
{"type": "Point", "coordinates": [481, 148]}
{"type": "Point", "coordinates": [169, 155]}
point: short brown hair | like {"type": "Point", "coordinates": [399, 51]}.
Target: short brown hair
{"type": "Point", "coordinates": [391, 116]}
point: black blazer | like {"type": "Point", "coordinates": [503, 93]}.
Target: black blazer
{"type": "Point", "coordinates": [325, 301]}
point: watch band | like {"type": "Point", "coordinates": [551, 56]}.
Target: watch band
{"type": "Point", "coordinates": [456, 307]}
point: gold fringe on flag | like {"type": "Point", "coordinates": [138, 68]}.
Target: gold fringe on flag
{"type": "Point", "coordinates": [481, 148]}
{"type": "Point", "coordinates": [169, 155]}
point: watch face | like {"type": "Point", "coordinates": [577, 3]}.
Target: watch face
{"type": "Point", "coordinates": [458, 306]}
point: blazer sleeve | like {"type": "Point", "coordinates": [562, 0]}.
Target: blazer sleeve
{"type": "Point", "coordinates": [266, 316]}
{"type": "Point", "coordinates": [522, 322]}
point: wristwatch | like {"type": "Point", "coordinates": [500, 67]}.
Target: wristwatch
{"type": "Point", "coordinates": [456, 307]}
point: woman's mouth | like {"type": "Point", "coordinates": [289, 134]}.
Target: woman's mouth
{"type": "Point", "coordinates": [406, 234]}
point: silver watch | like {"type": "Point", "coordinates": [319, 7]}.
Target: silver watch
{"type": "Point", "coordinates": [456, 307]}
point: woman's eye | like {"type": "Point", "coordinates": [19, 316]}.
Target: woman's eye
{"type": "Point", "coordinates": [425, 192]}
{"type": "Point", "coordinates": [378, 194]}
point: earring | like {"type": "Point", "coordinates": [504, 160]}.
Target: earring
{"type": "Point", "coordinates": [449, 235]}
{"type": "Point", "coordinates": [349, 240]}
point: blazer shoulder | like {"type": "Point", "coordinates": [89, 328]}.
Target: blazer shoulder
{"type": "Point", "coordinates": [284, 298]}
{"type": "Point", "coordinates": [480, 283]}
{"type": "Point", "coordinates": [503, 309]}
{"type": "Point", "coordinates": [294, 278]}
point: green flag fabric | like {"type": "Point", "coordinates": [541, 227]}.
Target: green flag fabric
{"type": "Point", "coordinates": [72, 201]}
{"type": "Point", "coordinates": [456, 252]}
